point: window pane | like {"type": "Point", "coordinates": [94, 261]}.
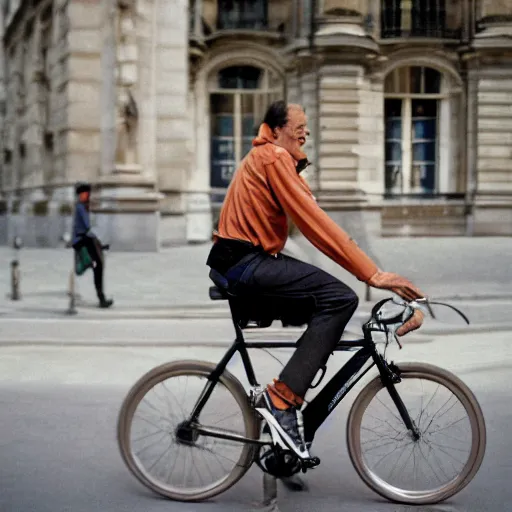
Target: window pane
{"type": "Point", "coordinates": [222, 143]}
{"type": "Point", "coordinates": [222, 108]}
{"type": "Point", "coordinates": [393, 129]}
{"type": "Point", "coordinates": [393, 179]}
{"type": "Point", "coordinates": [403, 80]}
{"type": "Point", "coordinates": [432, 81]}
{"type": "Point", "coordinates": [222, 149]}
{"type": "Point", "coordinates": [428, 178]}
{"type": "Point", "coordinates": [424, 152]}
{"type": "Point", "coordinates": [240, 77]}
{"type": "Point", "coordinates": [416, 82]}
{"type": "Point", "coordinates": [424, 129]}
{"type": "Point", "coordinates": [249, 121]}
{"type": "Point", "coordinates": [393, 108]}
{"type": "Point", "coordinates": [424, 108]}
{"type": "Point", "coordinates": [394, 152]}
{"type": "Point", "coordinates": [222, 125]}
{"type": "Point", "coordinates": [393, 146]}
{"type": "Point", "coordinates": [423, 178]}
{"type": "Point", "coordinates": [221, 173]}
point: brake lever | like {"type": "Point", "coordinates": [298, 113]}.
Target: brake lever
{"type": "Point", "coordinates": [424, 300]}
{"type": "Point", "coordinates": [393, 330]}
{"type": "Point", "coordinates": [398, 342]}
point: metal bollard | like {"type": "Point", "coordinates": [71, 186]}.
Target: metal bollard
{"type": "Point", "coordinates": [66, 238]}
{"type": "Point", "coordinates": [72, 295]}
{"type": "Point", "coordinates": [269, 494]}
{"type": "Point", "coordinates": [15, 270]}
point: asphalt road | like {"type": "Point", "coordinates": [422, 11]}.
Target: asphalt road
{"type": "Point", "coordinates": [60, 406]}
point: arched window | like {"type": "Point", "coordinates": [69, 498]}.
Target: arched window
{"type": "Point", "coordinates": [420, 132]}
{"type": "Point", "coordinates": [239, 97]}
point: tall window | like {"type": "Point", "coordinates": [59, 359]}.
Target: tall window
{"type": "Point", "coordinates": [412, 107]}
{"type": "Point", "coordinates": [417, 18]}
{"type": "Point", "coordinates": [242, 14]}
{"type": "Point", "coordinates": [239, 97]}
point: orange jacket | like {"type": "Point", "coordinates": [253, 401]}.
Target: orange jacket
{"type": "Point", "coordinates": [264, 190]}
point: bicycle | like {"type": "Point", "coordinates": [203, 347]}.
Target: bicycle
{"type": "Point", "coordinates": [259, 443]}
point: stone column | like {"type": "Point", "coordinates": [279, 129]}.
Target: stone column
{"type": "Point", "coordinates": [493, 176]}
{"type": "Point", "coordinates": [339, 126]}
{"type": "Point", "coordinates": [127, 212]}
{"type": "Point", "coordinates": [305, 26]}
{"type": "Point", "coordinates": [198, 24]}
{"type": "Point", "coordinates": [173, 123]}
{"type": "Point", "coordinates": [83, 78]}
{"type": "Point", "coordinates": [370, 150]}
{"type": "Point", "coordinates": [493, 201]}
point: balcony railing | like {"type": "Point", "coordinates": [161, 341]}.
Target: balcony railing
{"type": "Point", "coordinates": [433, 32]}
{"type": "Point", "coordinates": [242, 14]}
{"type": "Point", "coordinates": [421, 20]}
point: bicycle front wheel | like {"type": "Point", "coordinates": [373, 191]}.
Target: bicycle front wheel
{"type": "Point", "coordinates": [451, 444]}
{"type": "Point", "coordinates": [182, 464]}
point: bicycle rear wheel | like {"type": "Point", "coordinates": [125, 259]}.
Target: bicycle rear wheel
{"type": "Point", "coordinates": [461, 441]}
{"type": "Point", "coordinates": [159, 470]}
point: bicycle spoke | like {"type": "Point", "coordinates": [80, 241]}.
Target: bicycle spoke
{"type": "Point", "coordinates": [202, 461]}
{"type": "Point", "coordinates": [389, 447]}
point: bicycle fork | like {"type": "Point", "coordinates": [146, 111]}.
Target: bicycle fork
{"type": "Point", "coordinates": [390, 375]}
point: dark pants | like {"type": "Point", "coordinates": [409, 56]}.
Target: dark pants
{"type": "Point", "coordinates": [290, 278]}
{"type": "Point", "coordinates": [94, 251]}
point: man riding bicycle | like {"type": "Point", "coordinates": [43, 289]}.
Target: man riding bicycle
{"type": "Point", "coordinates": [253, 228]}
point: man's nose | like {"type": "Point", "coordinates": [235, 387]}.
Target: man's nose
{"type": "Point", "coordinates": [306, 131]}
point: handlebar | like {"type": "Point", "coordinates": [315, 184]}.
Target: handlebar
{"type": "Point", "coordinates": [377, 322]}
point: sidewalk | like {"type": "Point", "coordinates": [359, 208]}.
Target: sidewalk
{"type": "Point", "coordinates": [473, 273]}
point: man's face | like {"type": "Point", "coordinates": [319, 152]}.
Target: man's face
{"type": "Point", "coordinates": [293, 135]}
{"type": "Point", "coordinates": [83, 197]}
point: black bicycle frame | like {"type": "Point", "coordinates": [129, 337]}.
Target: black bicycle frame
{"type": "Point", "coordinates": [318, 409]}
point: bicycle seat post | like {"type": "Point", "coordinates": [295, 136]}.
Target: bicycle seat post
{"type": "Point", "coordinates": [235, 317]}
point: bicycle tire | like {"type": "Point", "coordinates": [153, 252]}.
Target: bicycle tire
{"type": "Point", "coordinates": [478, 444]}
{"type": "Point", "coordinates": [145, 384]}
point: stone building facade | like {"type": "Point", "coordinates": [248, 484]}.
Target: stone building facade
{"type": "Point", "coordinates": [156, 102]}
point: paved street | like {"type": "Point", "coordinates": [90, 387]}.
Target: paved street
{"type": "Point", "coordinates": [59, 450]}
{"type": "Point", "coordinates": [62, 378]}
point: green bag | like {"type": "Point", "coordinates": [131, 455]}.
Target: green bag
{"type": "Point", "coordinates": [83, 261]}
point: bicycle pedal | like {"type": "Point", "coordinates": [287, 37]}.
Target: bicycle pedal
{"type": "Point", "coordinates": [310, 463]}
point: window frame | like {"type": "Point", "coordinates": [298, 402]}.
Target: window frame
{"type": "Point", "coordinates": [407, 138]}
{"type": "Point", "coordinates": [265, 88]}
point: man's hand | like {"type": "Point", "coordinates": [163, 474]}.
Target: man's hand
{"type": "Point", "coordinates": [415, 322]}
{"type": "Point", "coordinates": [405, 289]}
{"type": "Point", "coordinates": [397, 284]}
